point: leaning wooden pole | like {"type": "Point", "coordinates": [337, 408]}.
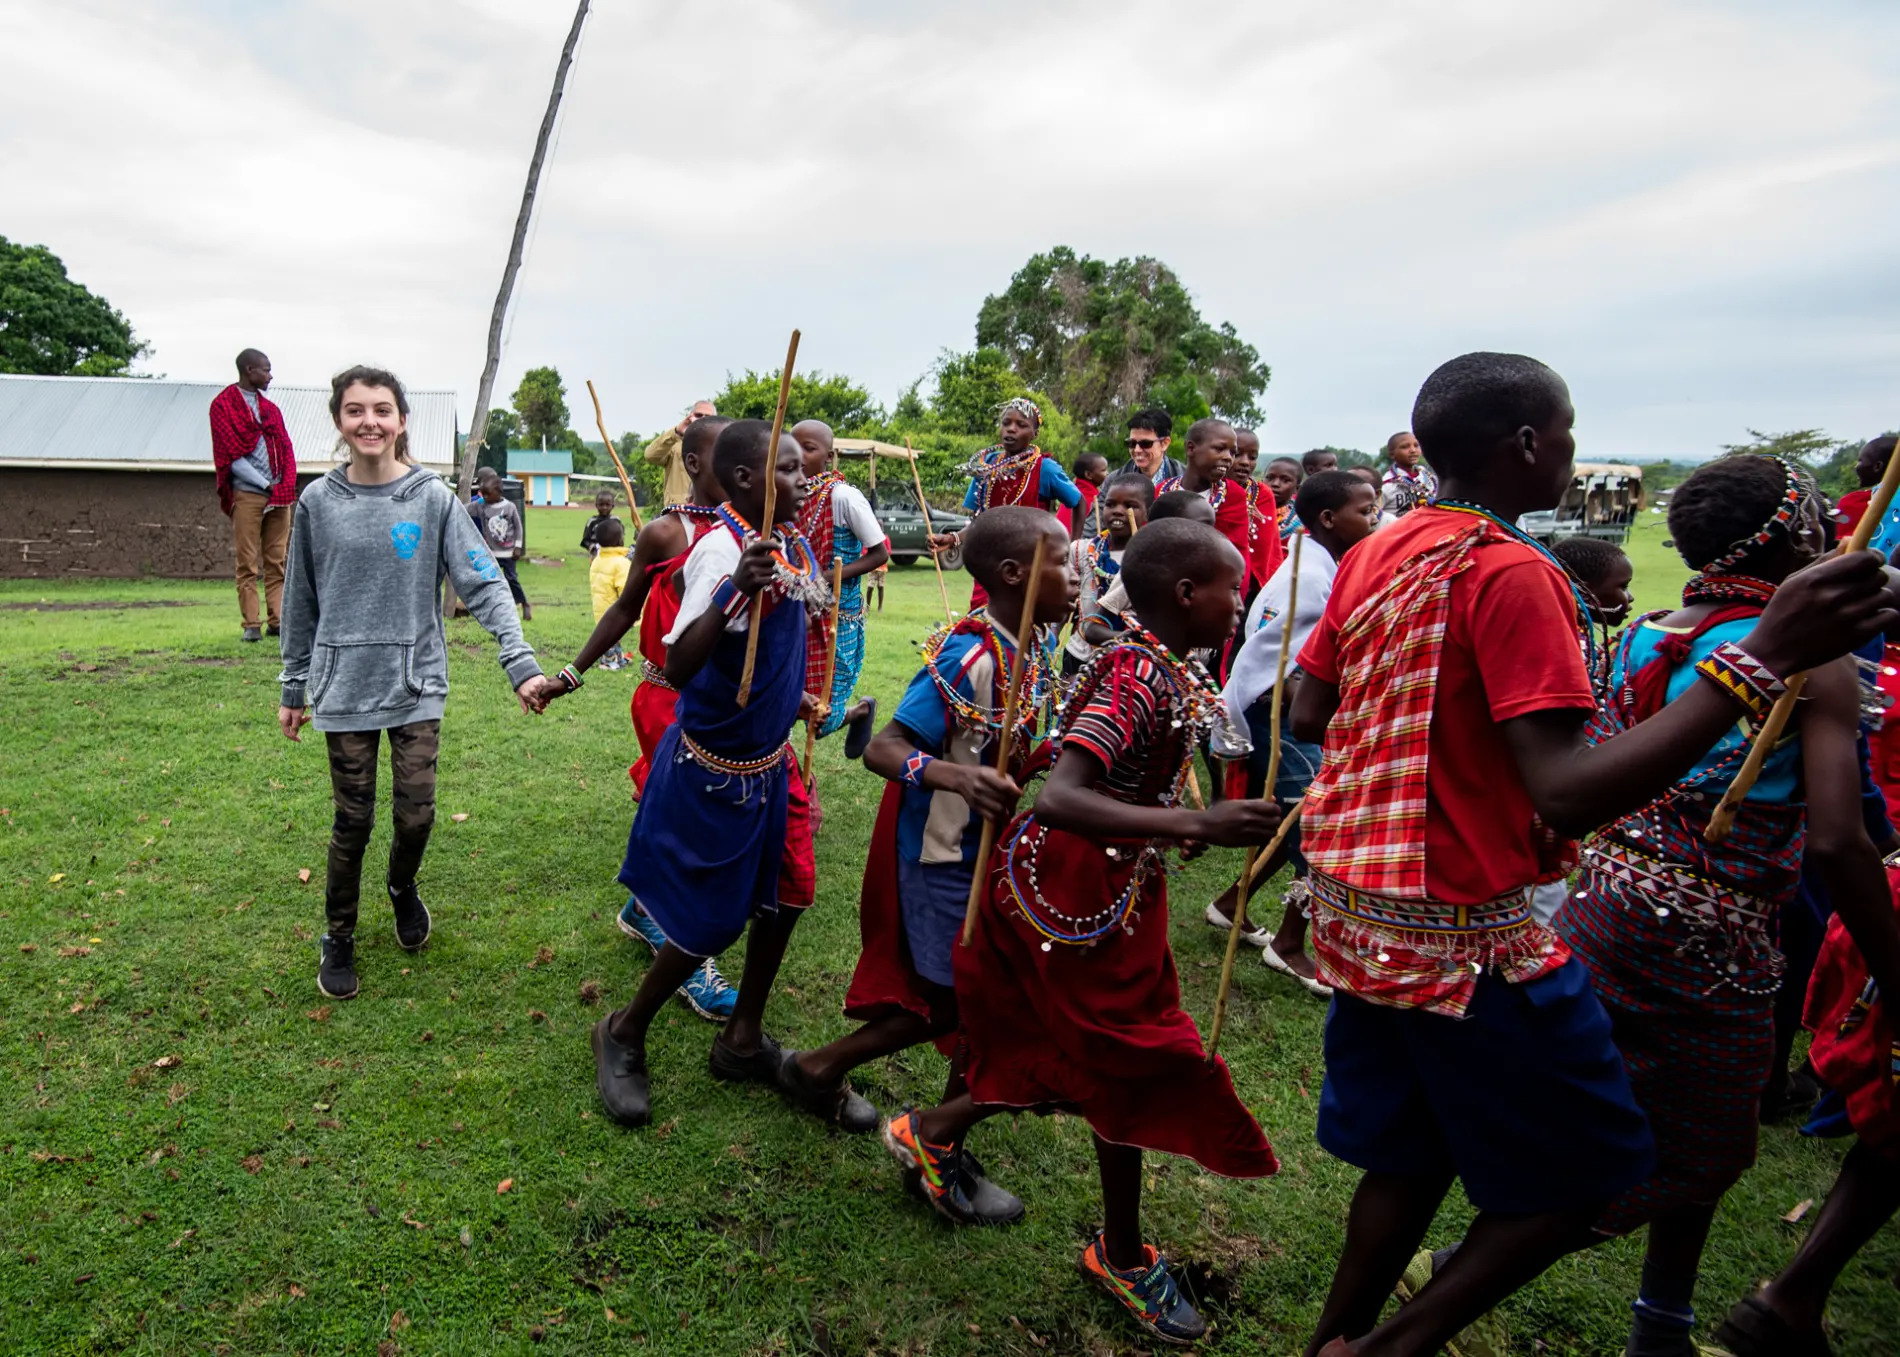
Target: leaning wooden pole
{"type": "Point", "coordinates": [831, 667]}
{"type": "Point", "coordinates": [1026, 636]}
{"type": "Point", "coordinates": [1241, 888]}
{"type": "Point", "coordinates": [1722, 822]}
{"type": "Point", "coordinates": [619, 467]}
{"type": "Point", "coordinates": [744, 694]}
{"type": "Point", "coordinates": [917, 480]}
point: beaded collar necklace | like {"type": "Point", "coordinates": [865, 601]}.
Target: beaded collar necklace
{"type": "Point", "coordinates": [1586, 634]}
{"type": "Point", "coordinates": [988, 716]}
{"type": "Point", "coordinates": [705, 512]}
{"type": "Point", "coordinates": [1216, 495]}
{"type": "Point", "coordinates": [802, 581]}
{"type": "Point", "coordinates": [993, 464]}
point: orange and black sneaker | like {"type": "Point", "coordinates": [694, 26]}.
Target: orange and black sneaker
{"type": "Point", "coordinates": [948, 1178]}
{"type": "Point", "coordinates": [1147, 1292]}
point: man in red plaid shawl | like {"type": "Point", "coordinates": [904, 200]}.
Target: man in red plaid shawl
{"type": "Point", "coordinates": [1448, 685]}
{"type": "Point", "coordinates": [257, 485]}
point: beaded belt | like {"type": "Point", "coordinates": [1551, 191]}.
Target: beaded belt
{"type": "Point", "coordinates": [689, 748]}
{"type": "Point", "coordinates": [1507, 911]}
{"type": "Point", "coordinates": [1709, 901]}
{"type": "Point", "coordinates": [652, 673]}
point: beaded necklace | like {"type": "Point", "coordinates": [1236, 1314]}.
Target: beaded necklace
{"type": "Point", "coordinates": [993, 465]}
{"type": "Point", "coordinates": [803, 581]}
{"type": "Point", "coordinates": [988, 716]}
{"type": "Point", "coordinates": [1216, 495]}
{"type": "Point", "coordinates": [1586, 634]}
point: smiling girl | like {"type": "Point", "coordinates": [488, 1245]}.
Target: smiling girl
{"type": "Point", "coordinates": [363, 646]}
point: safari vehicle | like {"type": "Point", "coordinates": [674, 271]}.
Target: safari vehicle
{"type": "Point", "coordinates": [1603, 501]}
{"type": "Point", "coordinates": [895, 503]}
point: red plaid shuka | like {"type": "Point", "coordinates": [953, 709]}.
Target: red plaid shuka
{"type": "Point", "coordinates": [817, 522]}
{"type": "Point", "coordinates": [1377, 933]}
{"type": "Point", "coordinates": [234, 434]}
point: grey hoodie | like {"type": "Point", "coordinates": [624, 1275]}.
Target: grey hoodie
{"type": "Point", "coordinates": [361, 597]}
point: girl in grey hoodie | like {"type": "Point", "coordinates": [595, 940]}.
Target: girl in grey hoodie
{"type": "Point", "coordinates": [363, 647]}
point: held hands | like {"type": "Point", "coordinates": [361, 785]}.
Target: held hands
{"type": "Point", "coordinates": [1821, 613]}
{"type": "Point", "coordinates": [533, 693]}
{"type": "Point", "coordinates": [292, 720]}
{"type": "Point", "coordinates": [754, 571]}
{"type": "Point", "coordinates": [1236, 824]}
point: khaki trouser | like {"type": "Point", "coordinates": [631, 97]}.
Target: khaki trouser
{"type": "Point", "coordinates": [262, 536]}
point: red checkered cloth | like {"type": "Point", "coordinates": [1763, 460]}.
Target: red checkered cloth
{"type": "Point", "coordinates": [234, 434]}
{"type": "Point", "coordinates": [818, 523]}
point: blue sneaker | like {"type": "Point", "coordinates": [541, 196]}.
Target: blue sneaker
{"type": "Point", "coordinates": [636, 923]}
{"type": "Point", "coordinates": [708, 994]}
{"type": "Point", "coordinates": [1147, 1293]}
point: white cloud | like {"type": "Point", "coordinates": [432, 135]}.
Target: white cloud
{"type": "Point", "coordinates": [1679, 204]}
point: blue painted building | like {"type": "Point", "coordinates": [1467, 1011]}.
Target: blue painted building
{"type": "Point", "coordinates": [542, 474]}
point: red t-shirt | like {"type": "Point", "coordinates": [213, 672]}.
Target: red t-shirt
{"type": "Point", "coordinates": [1849, 507]}
{"type": "Point", "coordinates": [1510, 648]}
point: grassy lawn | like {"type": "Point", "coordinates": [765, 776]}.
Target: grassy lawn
{"type": "Point", "coordinates": [198, 1154]}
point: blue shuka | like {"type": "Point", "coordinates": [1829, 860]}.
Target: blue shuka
{"type": "Point", "coordinates": [703, 854]}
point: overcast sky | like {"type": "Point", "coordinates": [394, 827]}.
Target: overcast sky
{"type": "Point", "coordinates": [1688, 209]}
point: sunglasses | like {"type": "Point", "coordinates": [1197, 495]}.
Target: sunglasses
{"type": "Point", "coordinates": [1143, 444]}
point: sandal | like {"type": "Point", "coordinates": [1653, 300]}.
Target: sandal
{"type": "Point", "coordinates": [1752, 1329]}
{"type": "Point", "coordinates": [1275, 962]}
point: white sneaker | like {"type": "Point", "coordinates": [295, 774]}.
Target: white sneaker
{"type": "Point", "coordinates": [1253, 934]}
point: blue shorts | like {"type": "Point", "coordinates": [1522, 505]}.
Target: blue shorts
{"type": "Point", "coordinates": [1299, 765]}
{"type": "Point", "coordinates": [1525, 1098]}
{"type": "Point", "coordinates": [932, 897]}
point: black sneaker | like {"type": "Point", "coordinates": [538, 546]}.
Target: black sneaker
{"type": "Point", "coordinates": [336, 968]}
{"type": "Point", "coordinates": [761, 1067]}
{"type": "Point", "coordinates": [858, 733]}
{"type": "Point", "coordinates": [251, 634]}
{"type": "Point", "coordinates": [273, 630]}
{"type": "Point", "coordinates": [412, 917]}
{"type": "Point", "coordinates": [620, 1074]}
{"type": "Point", "coordinates": [834, 1104]}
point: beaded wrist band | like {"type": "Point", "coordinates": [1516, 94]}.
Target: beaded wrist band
{"type": "Point", "coordinates": [729, 600]}
{"type": "Point", "coordinates": [1743, 677]}
{"type": "Point", "coordinates": [913, 774]}
{"type": "Point", "coordinates": [570, 676]}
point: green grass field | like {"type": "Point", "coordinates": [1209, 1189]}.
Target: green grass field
{"type": "Point", "coordinates": [198, 1154]}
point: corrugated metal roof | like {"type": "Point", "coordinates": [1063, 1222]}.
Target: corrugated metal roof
{"type": "Point", "coordinates": [554, 462]}
{"type": "Point", "coordinates": [153, 422]}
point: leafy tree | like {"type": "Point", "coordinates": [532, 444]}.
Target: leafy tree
{"type": "Point", "coordinates": [969, 388]}
{"type": "Point", "coordinates": [1831, 460]}
{"type": "Point", "coordinates": [837, 400]}
{"type": "Point", "coordinates": [1103, 338]}
{"type": "Point", "coordinates": [503, 431]}
{"type": "Point", "coordinates": [52, 326]}
{"type": "Point", "coordinates": [541, 403]}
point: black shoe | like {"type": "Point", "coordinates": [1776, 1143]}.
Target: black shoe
{"type": "Point", "coordinates": [1800, 1091]}
{"type": "Point", "coordinates": [273, 630]}
{"type": "Point", "coordinates": [620, 1074]}
{"type": "Point", "coordinates": [761, 1067]}
{"type": "Point", "coordinates": [988, 1203]}
{"type": "Point", "coordinates": [336, 967]}
{"type": "Point", "coordinates": [858, 732]}
{"type": "Point", "coordinates": [412, 917]}
{"type": "Point", "coordinates": [251, 634]}
{"type": "Point", "coordinates": [833, 1104]}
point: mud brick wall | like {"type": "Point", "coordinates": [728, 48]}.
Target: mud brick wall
{"type": "Point", "coordinates": [59, 524]}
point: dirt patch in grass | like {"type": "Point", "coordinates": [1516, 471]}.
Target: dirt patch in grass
{"type": "Point", "coordinates": [102, 605]}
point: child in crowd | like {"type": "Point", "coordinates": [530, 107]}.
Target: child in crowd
{"type": "Point", "coordinates": [1337, 510]}
{"type": "Point", "coordinates": [1090, 470]}
{"type": "Point", "coordinates": [874, 584]}
{"type": "Point", "coordinates": [1068, 993]}
{"type": "Point", "coordinates": [1409, 483]}
{"type": "Point", "coordinates": [1448, 684]}
{"type": "Point", "coordinates": [501, 525]}
{"type": "Point", "coordinates": [1014, 471]}
{"type": "Point", "coordinates": [1263, 511]}
{"type": "Point", "coordinates": [1283, 477]}
{"type": "Point", "coordinates": [938, 757]}
{"type": "Point", "coordinates": [1316, 460]}
{"type": "Point", "coordinates": [719, 840]}
{"type": "Point", "coordinates": [607, 578]}
{"type": "Point", "coordinates": [1210, 453]}
{"type": "Point", "coordinates": [604, 504]}
{"type": "Point", "coordinates": [650, 599]}
{"type": "Point", "coordinates": [1679, 934]}
{"type": "Point", "coordinates": [1603, 572]}
{"type": "Point", "coordinates": [374, 539]}
{"type": "Point", "coordinates": [1105, 621]}
{"type": "Point", "coordinates": [1127, 500]}
{"type": "Point", "coordinates": [840, 525]}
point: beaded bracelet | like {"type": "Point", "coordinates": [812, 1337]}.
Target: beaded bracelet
{"type": "Point", "coordinates": [1743, 677]}
{"type": "Point", "coordinates": [729, 600]}
{"type": "Point", "coordinates": [913, 774]}
{"type": "Point", "coordinates": [571, 677]}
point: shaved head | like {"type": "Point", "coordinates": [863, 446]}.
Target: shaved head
{"type": "Point", "coordinates": [815, 429]}
{"type": "Point", "coordinates": [1005, 533]}
{"type": "Point", "coordinates": [1166, 551]}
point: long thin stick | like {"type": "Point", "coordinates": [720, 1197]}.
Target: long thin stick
{"type": "Point", "coordinates": [917, 480]}
{"type": "Point", "coordinates": [1026, 637]}
{"type": "Point", "coordinates": [1722, 822]}
{"type": "Point", "coordinates": [625, 484]}
{"type": "Point", "coordinates": [831, 667]}
{"type": "Point", "coordinates": [1273, 777]}
{"type": "Point", "coordinates": [767, 524]}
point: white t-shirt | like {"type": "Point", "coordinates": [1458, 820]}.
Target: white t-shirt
{"type": "Point", "coordinates": [852, 511]}
{"type": "Point", "coordinates": [714, 557]}
{"type": "Point", "coordinates": [1257, 665]}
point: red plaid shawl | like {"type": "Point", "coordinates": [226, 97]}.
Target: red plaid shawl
{"type": "Point", "coordinates": [819, 524]}
{"type": "Point", "coordinates": [234, 434]}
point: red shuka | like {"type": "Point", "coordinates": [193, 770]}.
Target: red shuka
{"type": "Point", "coordinates": [234, 434]}
{"type": "Point", "coordinates": [885, 982]}
{"type": "Point", "coordinates": [1268, 549]}
{"type": "Point", "coordinates": [1855, 1048]}
{"type": "Point", "coordinates": [653, 701]}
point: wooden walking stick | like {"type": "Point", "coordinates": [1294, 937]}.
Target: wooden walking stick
{"type": "Point", "coordinates": [744, 694]}
{"type": "Point", "coordinates": [632, 509]}
{"type": "Point", "coordinates": [1245, 883]}
{"type": "Point", "coordinates": [831, 667]}
{"type": "Point", "coordinates": [917, 480]}
{"type": "Point", "coordinates": [1026, 637]}
{"type": "Point", "coordinates": [1722, 822]}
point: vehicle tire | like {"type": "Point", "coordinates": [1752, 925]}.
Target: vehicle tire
{"type": "Point", "coordinates": [903, 558]}
{"type": "Point", "coordinates": [953, 558]}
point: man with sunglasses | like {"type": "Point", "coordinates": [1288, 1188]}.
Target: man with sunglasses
{"type": "Point", "coordinates": [1148, 438]}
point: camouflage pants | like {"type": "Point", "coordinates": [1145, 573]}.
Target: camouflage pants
{"type": "Point", "coordinates": [412, 755]}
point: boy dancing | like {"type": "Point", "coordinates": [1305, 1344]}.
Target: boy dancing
{"type": "Point", "coordinates": [719, 840]}
{"type": "Point", "coordinates": [1068, 993]}
{"type": "Point", "coordinates": [1448, 683]}
{"type": "Point", "coordinates": [840, 525]}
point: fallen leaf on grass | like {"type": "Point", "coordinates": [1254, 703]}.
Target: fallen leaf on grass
{"type": "Point", "coordinates": [83, 1278]}
{"type": "Point", "coordinates": [297, 1292]}
{"type": "Point", "coordinates": [467, 1238]}
{"type": "Point", "coordinates": [181, 1239]}
{"type": "Point", "coordinates": [77, 1008]}
{"type": "Point", "coordinates": [319, 1014]}
{"type": "Point", "coordinates": [505, 1185]}
{"type": "Point", "coordinates": [48, 1157]}
{"type": "Point", "coordinates": [536, 1015]}
{"type": "Point", "coordinates": [1799, 1210]}
{"type": "Point", "coordinates": [95, 939]}
{"type": "Point", "coordinates": [168, 1062]}
{"type": "Point", "coordinates": [590, 991]}
{"type": "Point", "coordinates": [29, 947]}
{"type": "Point", "coordinates": [413, 1224]}
{"type": "Point", "coordinates": [398, 1322]}
{"type": "Point", "coordinates": [542, 957]}
{"type": "Point", "coordinates": [459, 816]}
{"type": "Point", "coordinates": [55, 878]}
{"type": "Point", "coordinates": [303, 874]}
{"type": "Point", "coordinates": [426, 1037]}
{"type": "Point", "coordinates": [75, 951]}
{"type": "Point", "coordinates": [387, 1348]}
{"type": "Point", "coordinates": [252, 1163]}
{"type": "Point", "coordinates": [176, 1094]}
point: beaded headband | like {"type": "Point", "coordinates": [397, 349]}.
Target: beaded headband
{"type": "Point", "coordinates": [1797, 489]}
{"type": "Point", "coordinates": [1022, 405]}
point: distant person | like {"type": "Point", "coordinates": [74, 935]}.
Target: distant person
{"type": "Point", "coordinates": [1090, 470]}
{"type": "Point", "coordinates": [606, 577]}
{"type": "Point", "coordinates": [1150, 431]}
{"type": "Point", "coordinates": [1317, 460]}
{"type": "Point", "coordinates": [665, 451]}
{"type": "Point", "coordinates": [1283, 477]}
{"type": "Point", "coordinates": [257, 486]}
{"type": "Point", "coordinates": [604, 504]}
{"type": "Point", "coordinates": [1014, 470]}
{"type": "Point", "coordinates": [1869, 467]}
{"type": "Point", "coordinates": [1370, 475]}
{"type": "Point", "coordinates": [501, 525]}
{"type": "Point", "coordinates": [1409, 483]}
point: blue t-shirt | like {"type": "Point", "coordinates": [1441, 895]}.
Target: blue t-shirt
{"type": "Point", "coordinates": [937, 826]}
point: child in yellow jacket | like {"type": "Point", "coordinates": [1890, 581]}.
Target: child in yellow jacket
{"type": "Point", "coordinates": [606, 577]}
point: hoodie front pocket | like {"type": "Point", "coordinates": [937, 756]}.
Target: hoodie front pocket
{"type": "Point", "coordinates": [370, 676]}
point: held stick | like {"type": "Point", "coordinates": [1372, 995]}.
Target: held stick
{"type": "Point", "coordinates": [917, 480]}
{"type": "Point", "coordinates": [1242, 886]}
{"type": "Point", "coordinates": [744, 695]}
{"type": "Point", "coordinates": [1722, 822]}
{"type": "Point", "coordinates": [1026, 637]}
{"type": "Point", "coordinates": [633, 510]}
{"type": "Point", "coordinates": [831, 667]}
{"type": "Point", "coordinates": [1291, 818]}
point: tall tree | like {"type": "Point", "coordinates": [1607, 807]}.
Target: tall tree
{"type": "Point", "coordinates": [486, 388]}
{"type": "Point", "coordinates": [541, 405]}
{"type": "Point", "coordinates": [1101, 338]}
{"type": "Point", "coordinates": [837, 400]}
{"type": "Point", "coordinates": [52, 326]}
{"type": "Point", "coordinates": [969, 388]}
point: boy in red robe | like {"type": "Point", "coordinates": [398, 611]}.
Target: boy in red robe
{"type": "Point", "coordinates": [1207, 472]}
{"type": "Point", "coordinates": [1068, 993]}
